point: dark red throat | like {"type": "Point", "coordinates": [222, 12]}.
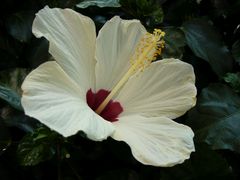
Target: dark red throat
{"type": "Point", "coordinates": [111, 111]}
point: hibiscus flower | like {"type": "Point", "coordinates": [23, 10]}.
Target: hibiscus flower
{"type": "Point", "coordinates": [108, 86]}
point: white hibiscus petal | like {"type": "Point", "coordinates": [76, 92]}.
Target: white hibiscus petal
{"type": "Point", "coordinates": [165, 88]}
{"type": "Point", "coordinates": [50, 96]}
{"type": "Point", "coordinates": [156, 141]}
{"type": "Point", "coordinates": [72, 39]}
{"type": "Point", "coordinates": [116, 43]}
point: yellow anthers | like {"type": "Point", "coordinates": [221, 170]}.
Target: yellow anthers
{"type": "Point", "coordinates": [147, 50]}
{"type": "Point", "coordinates": [158, 32]}
{"type": "Point", "coordinates": [149, 47]}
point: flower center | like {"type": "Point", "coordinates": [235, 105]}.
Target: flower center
{"type": "Point", "coordinates": [111, 110]}
{"type": "Point", "coordinates": [149, 47]}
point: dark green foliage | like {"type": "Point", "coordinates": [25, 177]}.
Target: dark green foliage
{"type": "Point", "coordinates": [206, 43]}
{"type": "Point", "coordinates": [215, 118]}
{"type": "Point", "coordinates": [205, 34]}
{"type": "Point", "coordinates": [203, 164]}
{"type": "Point", "coordinates": [11, 97]}
{"type": "Point", "coordinates": [174, 43]}
{"type": "Point", "coordinates": [11, 81]}
{"type": "Point", "coordinates": [149, 11]}
{"type": "Point", "coordinates": [178, 11]}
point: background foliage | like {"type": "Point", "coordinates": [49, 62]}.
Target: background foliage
{"type": "Point", "coordinates": [205, 33]}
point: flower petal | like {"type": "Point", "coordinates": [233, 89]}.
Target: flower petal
{"type": "Point", "coordinates": [156, 141]}
{"type": "Point", "coordinates": [116, 43]}
{"type": "Point", "coordinates": [50, 96]}
{"type": "Point", "coordinates": [165, 88]}
{"type": "Point", "coordinates": [72, 39]}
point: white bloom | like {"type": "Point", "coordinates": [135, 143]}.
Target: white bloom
{"type": "Point", "coordinates": [61, 93]}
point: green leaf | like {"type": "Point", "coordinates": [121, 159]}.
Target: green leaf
{"type": "Point", "coordinates": [99, 3]}
{"type": "Point", "coordinates": [174, 43]}
{"type": "Point", "coordinates": [36, 147]}
{"type": "Point", "coordinates": [206, 43]}
{"type": "Point", "coordinates": [215, 119]}
{"type": "Point", "coordinates": [11, 97]}
{"type": "Point", "coordinates": [236, 51]}
{"type": "Point", "coordinates": [234, 80]}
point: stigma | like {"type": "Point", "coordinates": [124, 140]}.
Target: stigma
{"type": "Point", "coordinates": [149, 47]}
{"type": "Point", "coordinates": [147, 50]}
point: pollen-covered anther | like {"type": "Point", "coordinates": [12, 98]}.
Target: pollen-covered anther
{"type": "Point", "coordinates": [149, 47]}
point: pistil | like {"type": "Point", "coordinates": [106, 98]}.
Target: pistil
{"type": "Point", "coordinates": [148, 49]}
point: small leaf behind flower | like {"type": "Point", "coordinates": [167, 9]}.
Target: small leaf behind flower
{"type": "Point", "coordinates": [234, 80]}
{"type": "Point", "coordinates": [36, 147]}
